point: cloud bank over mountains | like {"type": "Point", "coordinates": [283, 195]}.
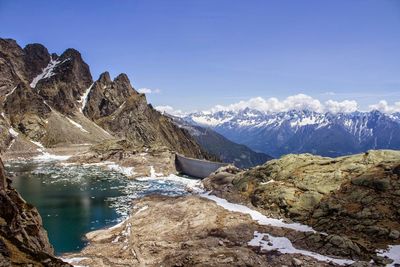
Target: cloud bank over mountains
{"type": "Point", "coordinates": [295, 102]}
{"type": "Point", "coordinates": [384, 107]}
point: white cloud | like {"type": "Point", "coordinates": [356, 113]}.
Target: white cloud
{"type": "Point", "coordinates": [270, 105]}
{"type": "Point", "coordinates": [295, 102]}
{"type": "Point", "coordinates": [170, 110]}
{"type": "Point", "coordinates": [149, 91]}
{"type": "Point", "coordinates": [345, 106]}
{"type": "Point", "coordinates": [384, 107]}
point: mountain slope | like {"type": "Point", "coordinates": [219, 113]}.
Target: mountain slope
{"type": "Point", "coordinates": [305, 131]}
{"type": "Point", "coordinates": [53, 100]}
{"type": "Point", "coordinates": [228, 151]}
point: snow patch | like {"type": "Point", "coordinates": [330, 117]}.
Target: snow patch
{"type": "Point", "coordinates": [210, 121]}
{"type": "Point", "coordinates": [47, 72]}
{"type": "Point", "coordinates": [10, 93]}
{"type": "Point", "coordinates": [153, 173]}
{"type": "Point", "coordinates": [268, 182]}
{"type": "Point", "coordinates": [257, 216]}
{"type": "Point", "coordinates": [142, 209]}
{"type": "Point", "coordinates": [393, 253]}
{"type": "Point", "coordinates": [77, 125]}
{"type": "Point", "coordinates": [11, 143]}
{"type": "Point", "coordinates": [192, 184]}
{"type": "Point", "coordinates": [13, 133]}
{"type": "Point", "coordinates": [118, 224]}
{"type": "Point", "coordinates": [45, 156]}
{"type": "Point", "coordinates": [303, 122]}
{"type": "Point", "coordinates": [84, 97]}
{"type": "Point", "coordinates": [284, 245]}
{"type": "Point", "coordinates": [74, 261]}
{"type": "Point", "coordinates": [127, 171]}
{"type": "Point", "coordinates": [37, 144]}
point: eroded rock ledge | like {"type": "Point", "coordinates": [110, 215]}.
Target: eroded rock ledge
{"type": "Point", "coordinates": [355, 197]}
{"type": "Point", "coordinates": [194, 231]}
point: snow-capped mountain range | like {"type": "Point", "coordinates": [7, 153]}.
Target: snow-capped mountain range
{"type": "Point", "coordinates": [304, 131]}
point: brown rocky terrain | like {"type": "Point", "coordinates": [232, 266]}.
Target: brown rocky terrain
{"type": "Point", "coordinates": [356, 197]}
{"type": "Point", "coordinates": [53, 100]}
{"type": "Point", "coordinates": [118, 108]}
{"type": "Point", "coordinates": [144, 161]}
{"type": "Point", "coordinates": [23, 241]}
{"type": "Point", "coordinates": [191, 231]}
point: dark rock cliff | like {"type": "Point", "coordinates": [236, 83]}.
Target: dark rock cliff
{"type": "Point", "coordinates": [120, 109]}
{"type": "Point", "coordinates": [69, 79]}
{"type": "Point", "coordinates": [52, 99]}
{"type": "Point", "coordinates": [23, 240]}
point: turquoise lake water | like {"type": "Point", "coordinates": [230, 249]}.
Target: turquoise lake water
{"type": "Point", "coordinates": [74, 200]}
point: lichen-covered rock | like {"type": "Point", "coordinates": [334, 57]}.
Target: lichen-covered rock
{"type": "Point", "coordinates": [354, 196]}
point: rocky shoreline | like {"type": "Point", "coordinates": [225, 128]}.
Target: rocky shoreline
{"type": "Point", "coordinates": [207, 230]}
{"type": "Point", "coordinates": [187, 231]}
{"type": "Point", "coordinates": [23, 240]}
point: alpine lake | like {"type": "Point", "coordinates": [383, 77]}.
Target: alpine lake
{"type": "Point", "coordinates": [76, 199]}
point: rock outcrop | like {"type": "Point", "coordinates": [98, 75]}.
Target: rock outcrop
{"type": "Point", "coordinates": [68, 78]}
{"type": "Point", "coordinates": [53, 100]}
{"type": "Point", "coordinates": [190, 231]}
{"type": "Point", "coordinates": [120, 109]}
{"type": "Point", "coordinates": [142, 161]}
{"type": "Point", "coordinates": [36, 57]}
{"type": "Point", "coordinates": [23, 241]}
{"type": "Point", "coordinates": [355, 197]}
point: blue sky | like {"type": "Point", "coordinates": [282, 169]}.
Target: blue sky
{"type": "Point", "coordinates": [202, 53]}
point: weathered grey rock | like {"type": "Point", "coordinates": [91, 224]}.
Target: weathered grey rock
{"type": "Point", "coordinates": [296, 262]}
{"type": "Point", "coordinates": [352, 197]}
{"type": "Point", "coordinates": [184, 231]}
{"type": "Point", "coordinates": [394, 234]}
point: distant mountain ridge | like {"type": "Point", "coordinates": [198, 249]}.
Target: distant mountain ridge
{"type": "Point", "coordinates": [216, 144]}
{"type": "Point", "coordinates": [304, 131]}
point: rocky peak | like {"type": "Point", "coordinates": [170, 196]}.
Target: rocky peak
{"type": "Point", "coordinates": [123, 80]}
{"type": "Point", "coordinates": [66, 80]}
{"type": "Point", "coordinates": [71, 53]}
{"type": "Point", "coordinates": [10, 47]}
{"type": "Point", "coordinates": [36, 58]}
{"type": "Point", "coordinates": [107, 96]}
{"type": "Point", "coordinates": [35, 84]}
{"type": "Point", "coordinates": [12, 65]}
{"type": "Point", "coordinates": [104, 78]}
